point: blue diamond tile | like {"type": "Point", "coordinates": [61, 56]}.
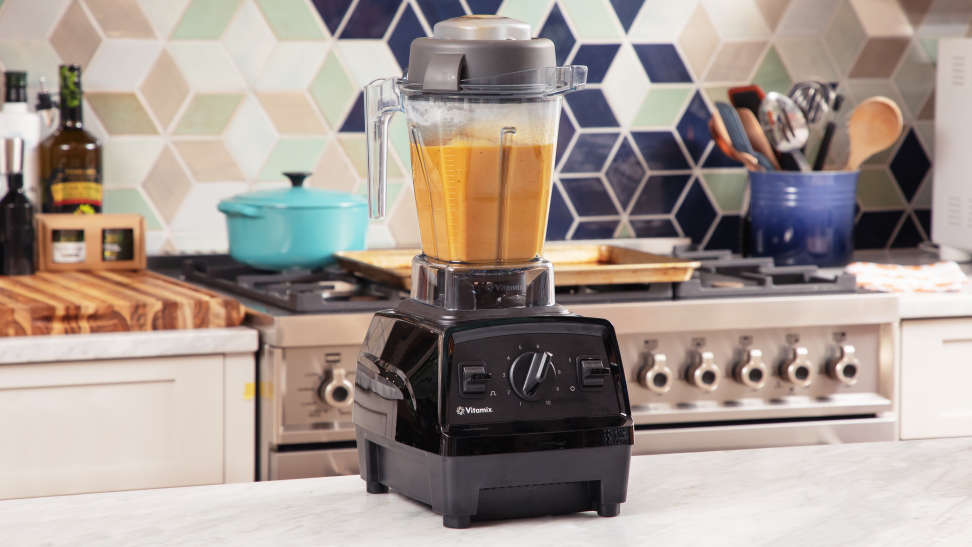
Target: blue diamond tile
{"type": "Point", "coordinates": [662, 63]}
{"type": "Point", "coordinates": [726, 234]}
{"type": "Point", "coordinates": [694, 127]}
{"type": "Point", "coordinates": [661, 227]}
{"type": "Point", "coordinates": [407, 29]}
{"type": "Point", "coordinates": [332, 12]}
{"type": "Point", "coordinates": [355, 123]}
{"type": "Point", "coordinates": [716, 159]}
{"type": "Point", "coordinates": [370, 19]}
{"type": "Point", "coordinates": [560, 219]}
{"type": "Point", "coordinates": [440, 10]}
{"type": "Point", "coordinates": [924, 218]}
{"type": "Point", "coordinates": [596, 229]}
{"type": "Point", "coordinates": [589, 196]}
{"type": "Point", "coordinates": [874, 229]}
{"type": "Point", "coordinates": [625, 173]}
{"type": "Point", "coordinates": [660, 150]}
{"type": "Point", "coordinates": [557, 31]}
{"type": "Point", "coordinates": [908, 236]}
{"type": "Point", "coordinates": [565, 132]}
{"type": "Point", "coordinates": [660, 194]}
{"type": "Point", "coordinates": [627, 10]}
{"type": "Point", "coordinates": [910, 165]}
{"type": "Point", "coordinates": [696, 213]}
{"type": "Point", "coordinates": [591, 109]}
{"type": "Point", "coordinates": [484, 7]}
{"type": "Point", "coordinates": [597, 58]}
{"type": "Point", "coordinates": [589, 153]}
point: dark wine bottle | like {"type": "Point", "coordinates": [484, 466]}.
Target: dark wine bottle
{"type": "Point", "coordinates": [71, 157]}
{"type": "Point", "coordinates": [16, 216]}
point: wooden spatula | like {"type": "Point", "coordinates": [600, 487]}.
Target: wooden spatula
{"type": "Point", "coordinates": [874, 125]}
{"type": "Point", "coordinates": [756, 136]}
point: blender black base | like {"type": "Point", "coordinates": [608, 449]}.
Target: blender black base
{"type": "Point", "coordinates": [464, 489]}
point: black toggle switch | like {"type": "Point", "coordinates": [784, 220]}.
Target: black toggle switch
{"type": "Point", "coordinates": [474, 378]}
{"type": "Point", "coordinates": [593, 373]}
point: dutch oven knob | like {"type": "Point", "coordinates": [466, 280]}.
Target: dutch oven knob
{"type": "Point", "coordinates": [297, 178]}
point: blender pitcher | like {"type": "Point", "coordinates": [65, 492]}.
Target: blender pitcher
{"type": "Point", "coordinates": [482, 101]}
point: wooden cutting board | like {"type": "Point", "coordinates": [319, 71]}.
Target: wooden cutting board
{"type": "Point", "coordinates": [109, 301]}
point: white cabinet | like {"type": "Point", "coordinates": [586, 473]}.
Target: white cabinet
{"type": "Point", "coordinates": [121, 424]}
{"type": "Point", "coordinates": [936, 378]}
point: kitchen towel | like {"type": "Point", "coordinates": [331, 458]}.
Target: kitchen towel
{"type": "Point", "coordinates": [937, 277]}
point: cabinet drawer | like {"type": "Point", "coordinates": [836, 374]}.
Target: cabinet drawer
{"type": "Point", "coordinates": [70, 428]}
{"type": "Point", "coordinates": [936, 378]}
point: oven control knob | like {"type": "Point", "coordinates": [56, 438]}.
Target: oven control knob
{"type": "Point", "coordinates": [532, 375]}
{"type": "Point", "coordinates": [845, 368]}
{"type": "Point", "coordinates": [705, 374]}
{"type": "Point", "coordinates": [337, 391]}
{"type": "Point", "coordinates": [655, 375]}
{"type": "Point", "coordinates": [798, 370]}
{"type": "Point", "coordinates": [751, 372]}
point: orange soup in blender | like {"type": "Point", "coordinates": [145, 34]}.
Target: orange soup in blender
{"type": "Point", "coordinates": [482, 203]}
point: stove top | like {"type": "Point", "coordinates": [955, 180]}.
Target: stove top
{"type": "Point", "coordinates": [333, 290]}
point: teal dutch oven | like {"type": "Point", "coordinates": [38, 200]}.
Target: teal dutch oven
{"type": "Point", "coordinates": [294, 228]}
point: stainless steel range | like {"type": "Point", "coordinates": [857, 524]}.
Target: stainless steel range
{"type": "Point", "coordinates": [744, 355]}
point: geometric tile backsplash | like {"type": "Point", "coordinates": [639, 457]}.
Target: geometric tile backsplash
{"type": "Point", "coordinates": [198, 100]}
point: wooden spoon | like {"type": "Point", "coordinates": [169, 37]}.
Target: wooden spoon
{"type": "Point", "coordinates": [721, 137]}
{"type": "Point", "coordinates": [874, 126]}
{"type": "Point", "coordinates": [756, 136]}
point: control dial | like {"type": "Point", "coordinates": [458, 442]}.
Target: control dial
{"type": "Point", "coordinates": [798, 370]}
{"type": "Point", "coordinates": [532, 375]}
{"type": "Point", "coordinates": [705, 374]}
{"type": "Point", "coordinates": [337, 391]}
{"type": "Point", "coordinates": [655, 375]}
{"type": "Point", "coordinates": [752, 372]}
{"type": "Point", "coordinates": [845, 368]}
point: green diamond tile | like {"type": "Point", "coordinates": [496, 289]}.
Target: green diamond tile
{"type": "Point", "coordinates": [531, 12]}
{"type": "Point", "coordinates": [130, 200]}
{"type": "Point", "coordinates": [291, 19]}
{"type": "Point", "coordinates": [592, 19]}
{"type": "Point", "coordinates": [727, 188]}
{"type": "Point", "coordinates": [208, 114]}
{"type": "Point", "coordinates": [354, 147]}
{"type": "Point", "coordinates": [625, 232]}
{"type": "Point", "coordinates": [926, 134]}
{"type": "Point", "coordinates": [771, 74]}
{"type": "Point", "coordinates": [876, 190]}
{"type": "Point", "coordinates": [661, 106]}
{"type": "Point", "coordinates": [845, 37]}
{"type": "Point", "coordinates": [394, 189]}
{"type": "Point", "coordinates": [923, 198]}
{"type": "Point", "coordinates": [717, 93]}
{"type": "Point", "coordinates": [915, 78]}
{"type": "Point", "coordinates": [930, 45]}
{"type": "Point", "coordinates": [332, 89]}
{"type": "Point", "coordinates": [205, 19]}
{"type": "Point", "coordinates": [163, 14]}
{"type": "Point", "coordinates": [291, 155]}
{"type": "Point", "coordinates": [121, 113]}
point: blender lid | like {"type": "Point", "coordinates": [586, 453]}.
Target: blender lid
{"type": "Point", "coordinates": [488, 54]}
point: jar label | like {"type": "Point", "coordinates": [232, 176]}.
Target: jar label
{"type": "Point", "coordinates": [70, 252]}
{"type": "Point", "coordinates": [76, 193]}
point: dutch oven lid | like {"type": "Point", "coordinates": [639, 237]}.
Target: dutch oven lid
{"type": "Point", "coordinates": [298, 197]}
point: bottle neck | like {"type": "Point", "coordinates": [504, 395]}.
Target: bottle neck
{"type": "Point", "coordinates": [15, 181]}
{"type": "Point", "coordinates": [71, 117]}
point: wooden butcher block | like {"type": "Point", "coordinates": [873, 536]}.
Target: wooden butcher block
{"type": "Point", "coordinates": [109, 301]}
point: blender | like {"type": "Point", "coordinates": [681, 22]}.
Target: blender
{"type": "Point", "coordinates": [479, 395]}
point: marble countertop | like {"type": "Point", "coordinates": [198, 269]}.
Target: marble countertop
{"type": "Point", "coordinates": [910, 493]}
{"type": "Point", "coordinates": [120, 345]}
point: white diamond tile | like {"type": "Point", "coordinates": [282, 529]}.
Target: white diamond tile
{"type": "Point", "coordinates": [127, 160]}
{"type": "Point", "coordinates": [206, 66]}
{"type": "Point", "coordinates": [625, 84]}
{"type": "Point", "coordinates": [250, 137]}
{"type": "Point", "coordinates": [121, 64]}
{"type": "Point", "coordinates": [737, 20]}
{"type": "Point", "coordinates": [806, 59]}
{"type": "Point", "coordinates": [807, 17]}
{"type": "Point", "coordinates": [379, 236]}
{"type": "Point", "coordinates": [155, 241]}
{"type": "Point", "coordinates": [662, 20]}
{"type": "Point", "coordinates": [915, 78]}
{"type": "Point", "coordinates": [249, 40]}
{"type": "Point", "coordinates": [882, 17]}
{"type": "Point", "coordinates": [30, 19]}
{"type": "Point", "coordinates": [196, 211]}
{"type": "Point", "coordinates": [368, 60]}
{"type": "Point", "coordinates": [37, 57]}
{"type": "Point", "coordinates": [403, 220]}
{"type": "Point", "coordinates": [163, 14]}
{"type": "Point", "coordinates": [292, 66]}
{"type": "Point", "coordinates": [209, 241]}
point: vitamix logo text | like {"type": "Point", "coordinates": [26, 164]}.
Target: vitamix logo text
{"type": "Point", "coordinates": [462, 410]}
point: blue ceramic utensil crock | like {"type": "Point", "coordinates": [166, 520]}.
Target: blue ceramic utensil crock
{"type": "Point", "coordinates": [294, 228]}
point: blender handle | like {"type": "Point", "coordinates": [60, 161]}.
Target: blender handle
{"type": "Point", "coordinates": [382, 100]}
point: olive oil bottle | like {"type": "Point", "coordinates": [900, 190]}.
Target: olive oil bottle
{"type": "Point", "coordinates": [71, 157]}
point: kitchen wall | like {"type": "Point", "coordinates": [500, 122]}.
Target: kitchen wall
{"type": "Point", "coordinates": [197, 100]}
